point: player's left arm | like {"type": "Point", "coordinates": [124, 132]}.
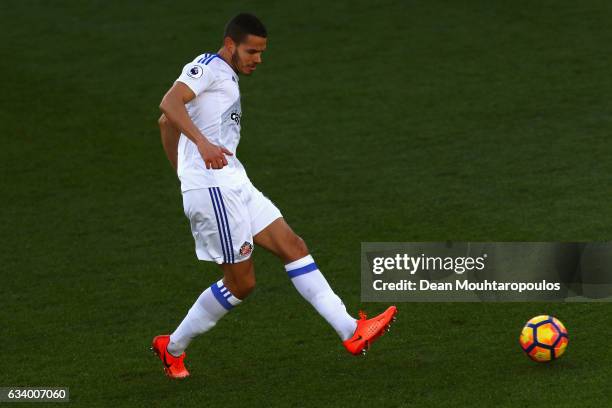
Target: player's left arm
{"type": "Point", "coordinates": [170, 139]}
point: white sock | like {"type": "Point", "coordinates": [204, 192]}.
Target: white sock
{"type": "Point", "coordinates": [212, 305]}
{"type": "Point", "coordinates": [313, 287]}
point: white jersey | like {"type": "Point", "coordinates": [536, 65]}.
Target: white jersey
{"type": "Point", "coordinates": [216, 113]}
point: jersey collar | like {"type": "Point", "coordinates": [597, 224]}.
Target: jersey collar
{"type": "Point", "coordinates": [234, 73]}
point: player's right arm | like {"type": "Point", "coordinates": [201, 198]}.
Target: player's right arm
{"type": "Point", "coordinates": [173, 107]}
{"type": "Point", "coordinates": [170, 140]}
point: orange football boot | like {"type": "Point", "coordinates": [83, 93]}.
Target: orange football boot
{"type": "Point", "coordinates": [173, 366]}
{"type": "Point", "coordinates": [368, 330]}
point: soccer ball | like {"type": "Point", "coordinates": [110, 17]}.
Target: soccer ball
{"type": "Point", "coordinates": [544, 338]}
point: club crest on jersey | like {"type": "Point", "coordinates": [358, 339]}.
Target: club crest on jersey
{"type": "Point", "coordinates": [235, 116]}
{"type": "Point", "coordinates": [195, 72]}
{"type": "Point", "coordinates": [246, 248]}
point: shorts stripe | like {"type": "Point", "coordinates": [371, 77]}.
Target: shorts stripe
{"type": "Point", "coordinates": [224, 226]}
{"type": "Point", "coordinates": [218, 225]}
{"type": "Point", "coordinates": [229, 234]}
{"type": "Point", "coordinates": [224, 241]}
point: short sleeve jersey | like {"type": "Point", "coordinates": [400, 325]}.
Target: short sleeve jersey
{"type": "Point", "coordinates": [216, 112]}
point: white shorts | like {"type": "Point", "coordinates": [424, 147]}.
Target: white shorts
{"type": "Point", "coordinates": [225, 219]}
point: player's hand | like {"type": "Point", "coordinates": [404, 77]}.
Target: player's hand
{"type": "Point", "coordinates": [213, 155]}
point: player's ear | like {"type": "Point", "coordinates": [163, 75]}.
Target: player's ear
{"type": "Point", "coordinates": [229, 44]}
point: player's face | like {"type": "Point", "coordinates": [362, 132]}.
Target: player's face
{"type": "Point", "coordinates": [247, 54]}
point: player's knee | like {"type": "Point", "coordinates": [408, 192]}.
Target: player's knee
{"type": "Point", "coordinates": [297, 250]}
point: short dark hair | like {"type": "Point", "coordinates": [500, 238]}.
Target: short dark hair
{"type": "Point", "coordinates": [242, 25]}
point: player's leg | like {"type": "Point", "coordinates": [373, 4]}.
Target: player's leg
{"type": "Point", "coordinates": [272, 233]}
{"type": "Point", "coordinates": [305, 275]}
{"type": "Point", "coordinates": [219, 223]}
{"type": "Point", "coordinates": [279, 239]}
{"type": "Point", "coordinates": [214, 303]}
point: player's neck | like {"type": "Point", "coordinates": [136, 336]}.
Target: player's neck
{"type": "Point", "coordinates": [226, 56]}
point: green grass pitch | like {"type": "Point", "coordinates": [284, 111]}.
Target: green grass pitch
{"type": "Point", "coordinates": [368, 121]}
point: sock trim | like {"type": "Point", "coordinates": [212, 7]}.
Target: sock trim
{"type": "Point", "coordinates": [216, 291]}
{"type": "Point", "coordinates": [308, 259]}
{"type": "Point", "coordinates": [301, 271]}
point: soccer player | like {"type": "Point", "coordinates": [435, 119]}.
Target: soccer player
{"type": "Point", "coordinates": [200, 129]}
